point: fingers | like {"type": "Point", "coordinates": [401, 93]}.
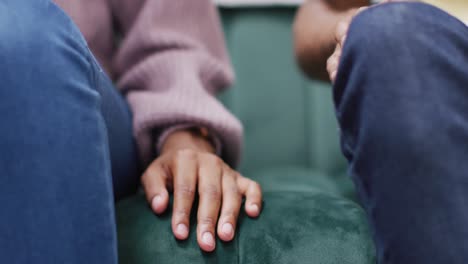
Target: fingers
{"type": "Point", "coordinates": [340, 37]}
{"type": "Point", "coordinates": [154, 184]}
{"type": "Point", "coordinates": [253, 196]}
{"type": "Point", "coordinates": [333, 63]}
{"type": "Point", "coordinates": [184, 170]}
{"type": "Point", "coordinates": [209, 188]}
{"type": "Point", "coordinates": [342, 27]}
{"type": "Point", "coordinates": [232, 200]}
{"type": "Point", "coordinates": [341, 31]}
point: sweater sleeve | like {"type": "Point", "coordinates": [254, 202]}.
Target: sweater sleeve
{"type": "Point", "coordinates": [170, 65]}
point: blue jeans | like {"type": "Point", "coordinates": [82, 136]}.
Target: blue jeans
{"type": "Point", "coordinates": [63, 125]}
{"type": "Point", "coordinates": [401, 99]}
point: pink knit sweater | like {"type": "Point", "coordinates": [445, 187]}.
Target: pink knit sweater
{"type": "Point", "coordinates": [170, 64]}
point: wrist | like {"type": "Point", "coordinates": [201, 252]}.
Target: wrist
{"type": "Point", "coordinates": [193, 138]}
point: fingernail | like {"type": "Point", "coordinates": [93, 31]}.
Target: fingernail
{"type": "Point", "coordinates": [182, 230]}
{"type": "Point", "coordinates": [156, 203]}
{"type": "Point", "coordinates": [227, 229]}
{"type": "Point", "coordinates": [208, 239]}
{"type": "Point", "coordinates": [254, 208]}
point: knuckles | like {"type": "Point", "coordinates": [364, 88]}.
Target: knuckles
{"type": "Point", "coordinates": [256, 186]}
{"type": "Point", "coordinates": [205, 159]}
{"type": "Point", "coordinates": [211, 191]}
{"type": "Point", "coordinates": [229, 216]}
{"type": "Point", "coordinates": [212, 160]}
{"type": "Point", "coordinates": [182, 213]}
{"type": "Point", "coordinates": [186, 154]}
{"type": "Point", "coordinates": [207, 221]}
{"type": "Point", "coordinates": [184, 190]}
{"type": "Point", "coordinates": [234, 191]}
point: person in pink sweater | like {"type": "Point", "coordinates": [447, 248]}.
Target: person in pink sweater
{"type": "Point", "coordinates": [71, 143]}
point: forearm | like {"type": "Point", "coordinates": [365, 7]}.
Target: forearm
{"type": "Point", "coordinates": [171, 63]}
{"type": "Point", "coordinates": [314, 33]}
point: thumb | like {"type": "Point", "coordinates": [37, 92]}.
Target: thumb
{"type": "Point", "coordinates": [154, 183]}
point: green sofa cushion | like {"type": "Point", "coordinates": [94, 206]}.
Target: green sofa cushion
{"type": "Point", "coordinates": [307, 221]}
{"type": "Point", "coordinates": [299, 179]}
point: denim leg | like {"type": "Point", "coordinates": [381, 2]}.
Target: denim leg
{"type": "Point", "coordinates": [122, 147]}
{"type": "Point", "coordinates": [56, 192]}
{"type": "Point", "coordinates": [401, 99]}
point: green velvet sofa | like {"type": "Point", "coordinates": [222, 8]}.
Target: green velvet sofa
{"type": "Point", "coordinates": [310, 211]}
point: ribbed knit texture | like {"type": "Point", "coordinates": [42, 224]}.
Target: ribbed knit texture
{"type": "Point", "coordinates": [253, 3]}
{"type": "Point", "coordinates": [170, 64]}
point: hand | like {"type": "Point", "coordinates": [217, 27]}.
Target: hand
{"type": "Point", "coordinates": [341, 32]}
{"type": "Point", "coordinates": [187, 166]}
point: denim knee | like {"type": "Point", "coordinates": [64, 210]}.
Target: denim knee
{"type": "Point", "coordinates": [38, 42]}
{"type": "Point", "coordinates": [399, 42]}
{"type": "Point", "coordinates": [394, 57]}
{"type": "Point", "coordinates": [394, 29]}
{"type": "Point", "coordinates": [388, 25]}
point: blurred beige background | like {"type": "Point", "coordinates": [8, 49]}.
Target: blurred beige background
{"type": "Point", "coordinates": [458, 8]}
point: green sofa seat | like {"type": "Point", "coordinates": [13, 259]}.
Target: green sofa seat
{"type": "Point", "coordinates": [310, 212]}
